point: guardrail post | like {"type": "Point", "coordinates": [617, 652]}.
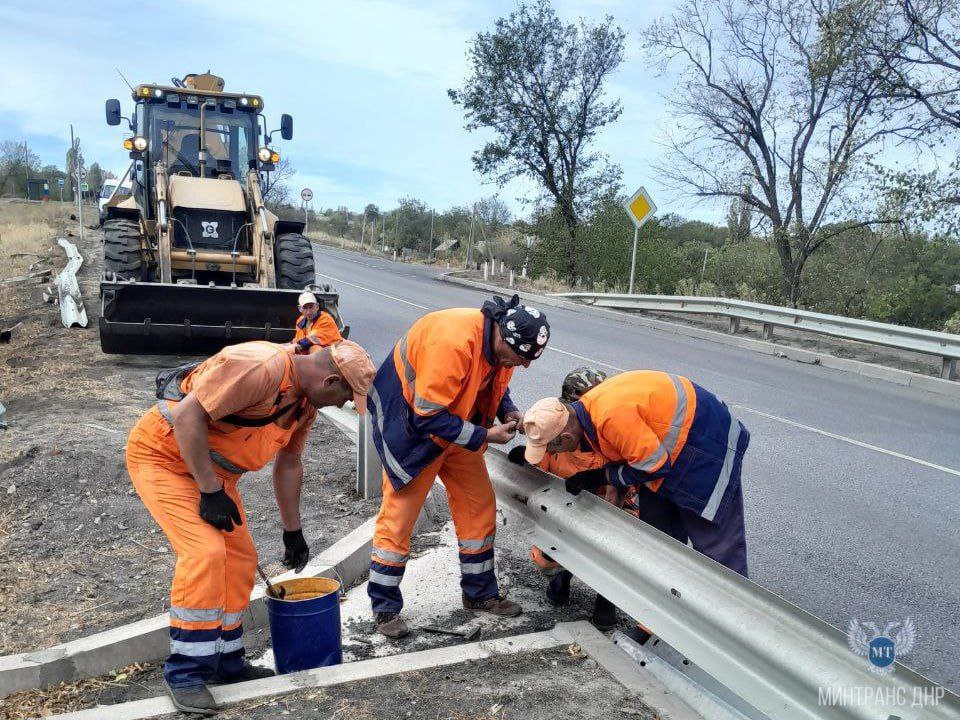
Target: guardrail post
{"type": "Point", "coordinates": [734, 325]}
{"type": "Point", "coordinates": [949, 369]}
{"type": "Point", "coordinates": [369, 469]}
{"type": "Point", "coordinates": [767, 332]}
{"type": "Point", "coordinates": [485, 271]}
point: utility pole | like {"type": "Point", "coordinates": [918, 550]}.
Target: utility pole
{"type": "Point", "coordinates": [430, 251]}
{"type": "Point", "coordinates": [363, 228]}
{"type": "Point", "coordinates": [473, 213]}
{"type": "Point", "coordinates": [78, 169]}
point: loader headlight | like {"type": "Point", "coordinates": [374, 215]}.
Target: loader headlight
{"type": "Point", "coordinates": [264, 154]}
{"type": "Point", "coordinates": [140, 143]}
{"type": "Point", "coordinates": [274, 157]}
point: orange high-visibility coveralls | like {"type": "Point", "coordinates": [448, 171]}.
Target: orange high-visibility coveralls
{"type": "Point", "coordinates": [431, 403]}
{"type": "Point", "coordinates": [215, 569]}
{"type": "Point", "coordinates": [322, 331]}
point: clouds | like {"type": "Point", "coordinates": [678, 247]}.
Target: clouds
{"type": "Point", "coordinates": [366, 82]}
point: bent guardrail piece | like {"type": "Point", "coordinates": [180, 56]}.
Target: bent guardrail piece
{"type": "Point", "coordinates": [72, 311]}
{"type": "Point", "coordinates": [778, 658]}
{"type": "Point", "coordinates": [928, 342]}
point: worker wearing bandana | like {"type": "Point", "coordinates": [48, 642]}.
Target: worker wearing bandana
{"type": "Point", "coordinates": [433, 404]}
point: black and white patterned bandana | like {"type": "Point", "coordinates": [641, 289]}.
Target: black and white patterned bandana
{"type": "Point", "coordinates": [525, 329]}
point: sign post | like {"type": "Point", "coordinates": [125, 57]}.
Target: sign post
{"type": "Point", "coordinates": [60, 183]}
{"type": "Point", "coordinates": [640, 208]}
{"type": "Point", "coordinates": [306, 195]}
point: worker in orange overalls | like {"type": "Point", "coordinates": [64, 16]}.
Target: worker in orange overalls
{"type": "Point", "coordinates": [314, 326]}
{"type": "Point", "coordinates": [671, 440]}
{"type": "Point", "coordinates": [432, 408]}
{"type": "Point", "coordinates": [233, 413]}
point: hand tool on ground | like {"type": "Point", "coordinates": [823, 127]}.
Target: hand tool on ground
{"type": "Point", "coordinates": [271, 590]}
{"type": "Point", "coordinates": [468, 634]}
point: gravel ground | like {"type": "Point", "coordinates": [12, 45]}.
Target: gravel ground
{"type": "Point", "coordinates": [78, 551]}
{"type": "Point", "coordinates": [532, 686]}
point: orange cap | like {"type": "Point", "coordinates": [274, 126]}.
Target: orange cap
{"type": "Point", "coordinates": [355, 366]}
{"type": "Point", "coordinates": [544, 421]}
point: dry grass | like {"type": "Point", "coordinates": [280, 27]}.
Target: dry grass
{"type": "Point", "coordinates": [28, 231]}
{"type": "Point", "coordinates": [68, 697]}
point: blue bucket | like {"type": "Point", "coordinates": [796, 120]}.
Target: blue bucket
{"type": "Point", "coordinates": [305, 624]}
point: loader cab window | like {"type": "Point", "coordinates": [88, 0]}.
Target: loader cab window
{"type": "Point", "coordinates": [175, 139]}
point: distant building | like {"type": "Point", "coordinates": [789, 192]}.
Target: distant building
{"type": "Point", "coordinates": [38, 189]}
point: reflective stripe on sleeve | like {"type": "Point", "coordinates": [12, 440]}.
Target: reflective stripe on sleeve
{"type": "Point", "coordinates": [164, 410]}
{"type": "Point", "coordinates": [653, 462]}
{"type": "Point", "coordinates": [466, 432]}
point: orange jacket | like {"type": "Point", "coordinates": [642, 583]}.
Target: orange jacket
{"type": "Point", "coordinates": [440, 385]}
{"type": "Point", "coordinates": [323, 329]}
{"type": "Point", "coordinates": [663, 430]}
{"type": "Point", "coordinates": [235, 449]}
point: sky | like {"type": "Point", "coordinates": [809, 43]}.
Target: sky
{"type": "Point", "coordinates": [366, 82]}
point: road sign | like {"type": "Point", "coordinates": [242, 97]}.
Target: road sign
{"type": "Point", "coordinates": [640, 207]}
{"type": "Point", "coordinates": [84, 187]}
{"type": "Point", "coordinates": [60, 182]}
{"type": "Point", "coordinates": [306, 194]}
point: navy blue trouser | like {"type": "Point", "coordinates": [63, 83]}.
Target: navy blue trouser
{"type": "Point", "coordinates": [723, 540]}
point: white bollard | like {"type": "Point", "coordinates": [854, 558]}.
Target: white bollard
{"type": "Point", "coordinates": [523, 271]}
{"type": "Point", "coordinates": [485, 272]}
{"type": "Point", "coordinates": [511, 277]}
{"type": "Point", "coordinates": [501, 267]}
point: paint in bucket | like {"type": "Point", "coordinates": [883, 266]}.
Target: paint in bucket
{"type": "Point", "coordinates": [305, 624]}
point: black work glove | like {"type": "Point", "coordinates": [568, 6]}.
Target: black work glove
{"type": "Point", "coordinates": [516, 455]}
{"type": "Point", "coordinates": [586, 480]}
{"type": "Point", "coordinates": [219, 510]}
{"type": "Point", "coordinates": [297, 552]}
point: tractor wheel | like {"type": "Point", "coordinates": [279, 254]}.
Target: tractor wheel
{"type": "Point", "coordinates": [121, 248]}
{"type": "Point", "coordinates": [294, 259]}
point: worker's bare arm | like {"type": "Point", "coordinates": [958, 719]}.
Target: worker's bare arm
{"type": "Point", "coordinates": [287, 481]}
{"type": "Point", "coordinates": [190, 425]}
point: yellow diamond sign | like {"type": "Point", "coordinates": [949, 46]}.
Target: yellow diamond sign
{"type": "Point", "coordinates": [640, 207]}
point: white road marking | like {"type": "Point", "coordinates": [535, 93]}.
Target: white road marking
{"type": "Point", "coordinates": [776, 418]}
{"type": "Point", "coordinates": [858, 443]}
{"type": "Point", "coordinates": [376, 292]}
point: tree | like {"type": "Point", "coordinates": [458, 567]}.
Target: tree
{"type": "Point", "coordinates": [789, 87]}
{"type": "Point", "coordinates": [95, 178]}
{"type": "Point", "coordinates": [275, 185]}
{"type": "Point", "coordinates": [738, 221]}
{"type": "Point", "coordinates": [17, 162]}
{"type": "Point", "coordinates": [539, 85]}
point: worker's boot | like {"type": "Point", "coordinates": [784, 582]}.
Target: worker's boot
{"type": "Point", "coordinates": [604, 614]}
{"type": "Point", "coordinates": [494, 606]}
{"type": "Point", "coordinates": [249, 672]}
{"type": "Point", "coordinates": [193, 699]}
{"type": "Point", "coordinates": [558, 591]}
{"type": "Point", "coordinates": [391, 625]}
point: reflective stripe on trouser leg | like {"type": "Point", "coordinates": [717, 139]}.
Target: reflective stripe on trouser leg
{"type": "Point", "coordinates": [391, 538]}
{"type": "Point", "coordinates": [209, 577]}
{"type": "Point", "coordinates": [473, 506]}
{"type": "Point", "coordinates": [477, 578]}
{"type": "Point", "coordinates": [241, 568]}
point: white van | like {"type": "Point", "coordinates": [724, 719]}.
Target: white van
{"type": "Point", "coordinates": [106, 191]}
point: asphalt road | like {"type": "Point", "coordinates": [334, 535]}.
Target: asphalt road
{"type": "Point", "coordinates": [850, 484]}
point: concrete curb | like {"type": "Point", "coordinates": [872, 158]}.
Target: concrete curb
{"type": "Point", "coordinates": [607, 655]}
{"type": "Point", "coordinates": [347, 560]}
{"type": "Point", "coordinates": [904, 378]}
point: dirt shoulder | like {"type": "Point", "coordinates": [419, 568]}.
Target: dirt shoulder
{"type": "Point", "coordinates": [78, 551]}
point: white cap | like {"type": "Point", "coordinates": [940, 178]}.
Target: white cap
{"type": "Point", "coordinates": [305, 298]}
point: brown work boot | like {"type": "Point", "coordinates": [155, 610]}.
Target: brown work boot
{"type": "Point", "coordinates": [391, 625]}
{"type": "Point", "coordinates": [494, 606]}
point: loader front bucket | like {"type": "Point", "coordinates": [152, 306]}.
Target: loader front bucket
{"type": "Point", "coordinates": [159, 319]}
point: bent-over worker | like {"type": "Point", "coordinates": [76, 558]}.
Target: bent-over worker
{"type": "Point", "coordinates": [432, 408]}
{"type": "Point", "coordinates": [235, 412]}
{"type": "Point", "coordinates": [676, 442]}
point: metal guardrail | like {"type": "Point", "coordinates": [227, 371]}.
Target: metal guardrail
{"type": "Point", "coordinates": [776, 657]}
{"type": "Point", "coordinates": [929, 342]}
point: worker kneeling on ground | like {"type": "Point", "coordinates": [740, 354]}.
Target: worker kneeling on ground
{"type": "Point", "coordinates": [314, 326]}
{"type": "Point", "coordinates": [673, 440]}
{"type": "Point", "coordinates": [233, 413]}
{"type": "Point", "coordinates": [432, 408]}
